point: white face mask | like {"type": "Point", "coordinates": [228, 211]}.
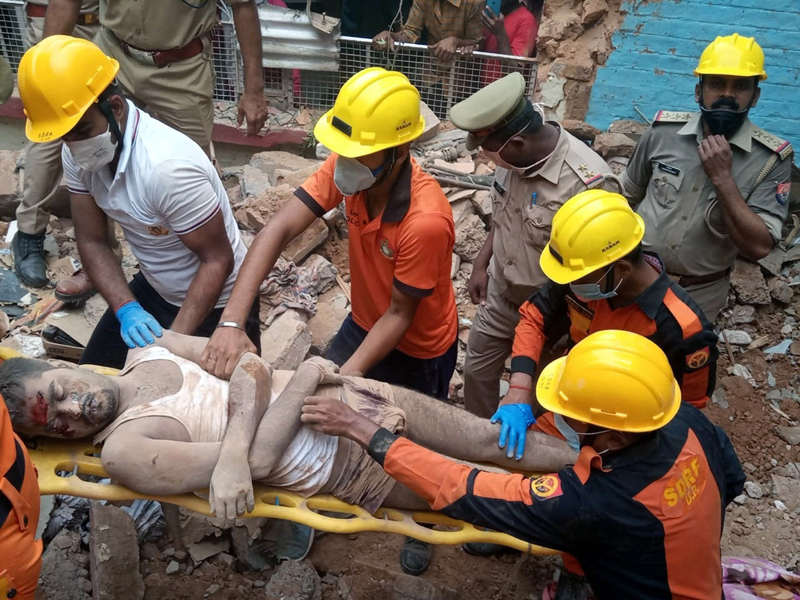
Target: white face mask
{"type": "Point", "coordinates": [498, 160]}
{"type": "Point", "coordinates": [571, 436]}
{"type": "Point", "coordinates": [588, 292]}
{"type": "Point", "coordinates": [351, 177]}
{"type": "Point", "coordinates": [94, 153]}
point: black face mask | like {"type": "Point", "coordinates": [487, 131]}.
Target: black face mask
{"type": "Point", "coordinates": [721, 120]}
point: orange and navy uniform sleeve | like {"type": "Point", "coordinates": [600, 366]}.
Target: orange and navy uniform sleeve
{"type": "Point", "coordinates": [544, 316]}
{"type": "Point", "coordinates": [424, 248]}
{"type": "Point", "coordinates": [694, 359]}
{"type": "Point", "coordinates": [319, 193]}
{"type": "Point", "coordinates": [505, 502]}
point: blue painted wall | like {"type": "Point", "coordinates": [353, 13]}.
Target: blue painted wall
{"type": "Point", "coordinates": [660, 41]}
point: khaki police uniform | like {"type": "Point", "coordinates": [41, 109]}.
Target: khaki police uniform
{"type": "Point", "coordinates": [683, 220]}
{"type": "Point", "coordinates": [179, 93]}
{"type": "Point", "coordinates": [43, 161]}
{"type": "Point", "coordinates": [522, 213]}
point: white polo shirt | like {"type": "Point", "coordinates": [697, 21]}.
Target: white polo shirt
{"type": "Point", "coordinates": [165, 186]}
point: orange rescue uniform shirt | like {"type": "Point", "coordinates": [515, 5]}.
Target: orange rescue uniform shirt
{"type": "Point", "coordinates": [20, 553]}
{"type": "Point", "coordinates": [409, 246]}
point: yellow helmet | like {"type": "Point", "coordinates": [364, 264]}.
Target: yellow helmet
{"type": "Point", "coordinates": [59, 79]}
{"type": "Point", "coordinates": [614, 380]}
{"type": "Point", "coordinates": [375, 109]}
{"type": "Point", "coordinates": [591, 230]}
{"type": "Point", "coordinates": [732, 55]}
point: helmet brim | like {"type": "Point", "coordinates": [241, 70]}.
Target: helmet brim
{"type": "Point", "coordinates": [731, 73]}
{"type": "Point", "coordinates": [338, 143]}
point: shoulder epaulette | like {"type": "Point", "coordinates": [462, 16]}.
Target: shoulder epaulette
{"type": "Point", "coordinates": [672, 116]}
{"type": "Point", "coordinates": [778, 145]}
{"type": "Point", "coordinates": [590, 177]}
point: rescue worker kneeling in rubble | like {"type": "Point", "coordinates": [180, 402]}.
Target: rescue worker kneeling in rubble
{"type": "Point", "coordinates": [20, 553]}
{"type": "Point", "coordinates": [642, 509]}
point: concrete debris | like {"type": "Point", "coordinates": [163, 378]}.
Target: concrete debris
{"type": "Point", "coordinates": [286, 342]}
{"type": "Point", "coordinates": [306, 242]}
{"type": "Point", "coordinates": [211, 590]}
{"type": "Point", "coordinates": [736, 337]}
{"type": "Point", "coordinates": [321, 152]}
{"type": "Point", "coordinates": [28, 345]}
{"type": "Point", "coordinates": [332, 309]}
{"type": "Point", "coordinates": [720, 398]}
{"type": "Point", "coordinates": [432, 123]}
{"type": "Point", "coordinates": [482, 203]}
{"type": "Point", "coordinates": [326, 272]}
{"type": "Point", "coordinates": [788, 490]}
{"type": "Point", "coordinates": [743, 314]}
{"type": "Point", "coordinates": [5, 325]}
{"type": "Point", "coordinates": [470, 237]}
{"type": "Point", "coordinates": [455, 265]}
{"type": "Point", "coordinates": [294, 179]}
{"type": "Point", "coordinates": [580, 129]}
{"type": "Point", "coordinates": [201, 551]}
{"type": "Point", "coordinates": [114, 554]}
{"type": "Point", "coordinates": [771, 379]}
{"type": "Point", "coordinates": [613, 144]}
{"type": "Point", "coordinates": [790, 435]}
{"type": "Point", "coordinates": [593, 11]}
{"type": "Point", "coordinates": [618, 164]}
{"type": "Point", "coordinates": [172, 568]}
{"type": "Point", "coordinates": [462, 209]}
{"type": "Point", "coordinates": [634, 128]}
{"type": "Point", "coordinates": [294, 580]}
{"type": "Point", "coordinates": [744, 373]}
{"type": "Point", "coordinates": [780, 290]}
{"type": "Point", "coordinates": [748, 283]}
{"type": "Point", "coordinates": [62, 562]}
{"type": "Point", "coordinates": [773, 261]}
{"type": "Point", "coordinates": [753, 490]}
{"type": "Point", "coordinates": [254, 182]}
{"type": "Point", "coordinates": [270, 162]}
{"type": "Point", "coordinates": [781, 348]}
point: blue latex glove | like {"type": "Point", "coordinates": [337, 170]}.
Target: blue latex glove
{"type": "Point", "coordinates": [137, 326]}
{"type": "Point", "coordinates": [516, 418]}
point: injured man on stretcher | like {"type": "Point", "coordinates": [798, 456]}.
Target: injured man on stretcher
{"type": "Point", "coordinates": [169, 427]}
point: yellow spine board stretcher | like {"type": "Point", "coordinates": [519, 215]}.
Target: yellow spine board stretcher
{"type": "Point", "coordinates": [81, 459]}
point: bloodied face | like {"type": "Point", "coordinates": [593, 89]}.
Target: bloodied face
{"type": "Point", "coordinates": [69, 403]}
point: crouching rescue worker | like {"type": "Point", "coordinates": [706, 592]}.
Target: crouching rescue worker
{"type": "Point", "coordinates": [20, 553]}
{"type": "Point", "coordinates": [642, 509]}
{"type": "Point", "coordinates": [122, 164]}
{"type": "Point", "coordinates": [403, 325]}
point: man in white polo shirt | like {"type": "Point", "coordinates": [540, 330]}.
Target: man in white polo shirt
{"type": "Point", "coordinates": [161, 188]}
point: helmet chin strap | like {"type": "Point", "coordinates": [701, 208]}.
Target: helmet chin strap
{"type": "Point", "coordinates": [108, 112]}
{"type": "Point", "coordinates": [385, 171]}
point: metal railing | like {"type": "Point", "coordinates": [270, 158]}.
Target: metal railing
{"type": "Point", "coordinates": [441, 84]}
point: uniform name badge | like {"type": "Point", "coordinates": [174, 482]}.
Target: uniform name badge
{"type": "Point", "coordinates": [669, 169]}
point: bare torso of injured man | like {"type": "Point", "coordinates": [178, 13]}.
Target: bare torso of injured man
{"type": "Point", "coordinates": [168, 427]}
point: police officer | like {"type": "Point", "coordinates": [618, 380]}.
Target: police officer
{"type": "Point", "coordinates": [164, 53]}
{"type": "Point", "coordinates": [43, 174]}
{"type": "Point", "coordinates": [539, 167]}
{"type": "Point", "coordinates": [711, 185]}
{"type": "Point", "coordinates": [642, 508]}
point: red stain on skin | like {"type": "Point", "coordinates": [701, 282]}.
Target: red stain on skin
{"type": "Point", "coordinates": [40, 410]}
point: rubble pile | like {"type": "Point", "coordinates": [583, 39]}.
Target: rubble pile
{"type": "Point", "coordinates": [304, 301]}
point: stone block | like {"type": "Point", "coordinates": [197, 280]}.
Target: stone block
{"type": "Point", "coordinates": [254, 182]}
{"type": "Point", "coordinates": [628, 126]}
{"type": "Point", "coordinates": [593, 11]}
{"type": "Point", "coordinates": [787, 490]}
{"type": "Point", "coordinates": [294, 580]}
{"type": "Point", "coordinates": [332, 308]}
{"type": "Point", "coordinates": [326, 272]}
{"type": "Point", "coordinates": [114, 554]}
{"type": "Point", "coordinates": [743, 314]}
{"type": "Point", "coordinates": [9, 179]}
{"type": "Point", "coordinates": [304, 244]}
{"type": "Point", "coordinates": [470, 237]}
{"type": "Point", "coordinates": [461, 210]}
{"type": "Point", "coordinates": [737, 337]}
{"type": "Point", "coordinates": [286, 342]}
{"type": "Point", "coordinates": [269, 162]}
{"type": "Point", "coordinates": [432, 122]}
{"type": "Point", "coordinates": [294, 178]}
{"type": "Point", "coordinates": [613, 144]}
{"type": "Point", "coordinates": [482, 203]}
{"type": "Point", "coordinates": [574, 71]}
{"type": "Point", "coordinates": [748, 283]}
{"type": "Point", "coordinates": [790, 435]}
{"type": "Point", "coordinates": [780, 290]}
{"type": "Point", "coordinates": [580, 129]}
{"type": "Point", "coordinates": [258, 210]}
{"type": "Point", "coordinates": [577, 95]}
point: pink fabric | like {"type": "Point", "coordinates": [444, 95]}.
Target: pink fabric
{"type": "Point", "coordinates": [522, 30]}
{"type": "Point", "coordinates": [738, 574]}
